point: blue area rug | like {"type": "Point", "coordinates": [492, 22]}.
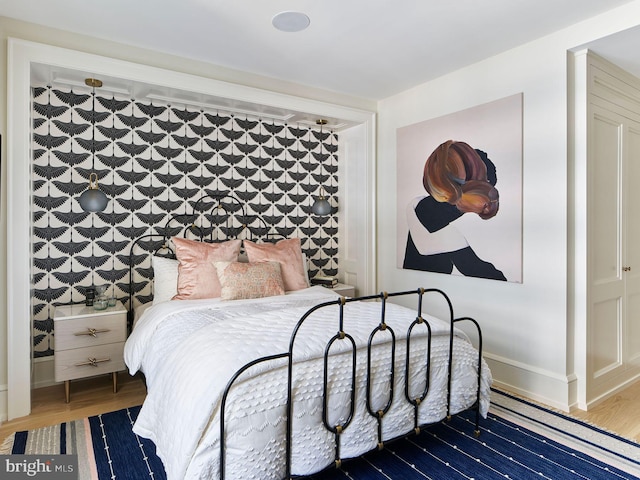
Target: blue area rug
{"type": "Point", "coordinates": [108, 449]}
{"type": "Point", "coordinates": [504, 450]}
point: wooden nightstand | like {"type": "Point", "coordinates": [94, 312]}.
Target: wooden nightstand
{"type": "Point", "coordinates": [88, 342]}
{"type": "Point", "coordinates": [344, 289]}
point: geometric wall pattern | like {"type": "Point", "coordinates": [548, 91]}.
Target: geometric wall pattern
{"type": "Point", "coordinates": [154, 161]}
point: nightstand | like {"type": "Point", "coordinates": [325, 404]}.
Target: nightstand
{"type": "Point", "coordinates": [344, 289]}
{"type": "Point", "coordinates": [88, 342]}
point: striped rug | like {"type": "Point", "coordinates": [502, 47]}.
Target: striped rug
{"type": "Point", "coordinates": [106, 446]}
{"type": "Point", "coordinates": [518, 441]}
{"type": "Point", "coordinates": [563, 449]}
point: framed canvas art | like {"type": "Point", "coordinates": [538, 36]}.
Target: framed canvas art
{"type": "Point", "coordinates": [459, 192]}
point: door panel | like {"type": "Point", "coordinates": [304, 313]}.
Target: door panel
{"type": "Point", "coordinates": [606, 351]}
{"type": "Point", "coordinates": [605, 326]}
{"type": "Point", "coordinates": [607, 164]}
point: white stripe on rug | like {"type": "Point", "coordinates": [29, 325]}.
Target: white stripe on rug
{"type": "Point", "coordinates": [571, 432]}
{"type": "Point", "coordinates": [44, 441]}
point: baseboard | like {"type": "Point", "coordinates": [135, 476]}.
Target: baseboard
{"type": "Point", "coordinates": [43, 372]}
{"type": "Point", "coordinates": [543, 386]}
{"type": "Point", "coordinates": [4, 407]}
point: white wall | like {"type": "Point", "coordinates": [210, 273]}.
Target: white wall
{"type": "Point", "coordinates": [527, 331]}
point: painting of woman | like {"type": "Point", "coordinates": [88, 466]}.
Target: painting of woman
{"type": "Point", "coordinates": [458, 180]}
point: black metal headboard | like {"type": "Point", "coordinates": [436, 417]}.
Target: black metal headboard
{"type": "Point", "coordinates": [213, 218]}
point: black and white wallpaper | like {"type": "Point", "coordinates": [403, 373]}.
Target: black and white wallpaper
{"type": "Point", "coordinates": [154, 161]}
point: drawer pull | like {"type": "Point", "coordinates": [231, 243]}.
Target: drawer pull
{"type": "Point", "coordinates": [92, 331]}
{"type": "Point", "coordinates": [93, 362]}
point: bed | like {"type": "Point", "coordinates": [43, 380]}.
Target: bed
{"type": "Point", "coordinates": [293, 380]}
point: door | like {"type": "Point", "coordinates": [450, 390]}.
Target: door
{"type": "Point", "coordinates": [613, 340]}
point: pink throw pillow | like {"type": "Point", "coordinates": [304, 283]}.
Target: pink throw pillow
{"type": "Point", "coordinates": [249, 280]}
{"type": "Point", "coordinates": [288, 253]}
{"type": "Point", "coordinates": [197, 277]}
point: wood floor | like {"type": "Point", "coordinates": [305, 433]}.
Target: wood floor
{"type": "Point", "coordinates": [88, 397]}
{"type": "Point", "coordinates": [620, 413]}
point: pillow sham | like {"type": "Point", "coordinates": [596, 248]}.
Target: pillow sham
{"type": "Point", "coordinates": [240, 280]}
{"type": "Point", "coordinates": [165, 278]}
{"type": "Point", "coordinates": [197, 276]}
{"type": "Point", "coordinates": [288, 253]}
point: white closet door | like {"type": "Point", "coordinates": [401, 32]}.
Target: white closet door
{"type": "Point", "coordinates": [614, 231]}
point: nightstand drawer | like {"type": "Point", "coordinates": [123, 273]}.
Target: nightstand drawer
{"type": "Point", "coordinates": [89, 331]}
{"type": "Point", "coordinates": [89, 361]}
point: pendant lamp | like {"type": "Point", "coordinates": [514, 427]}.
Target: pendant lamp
{"type": "Point", "coordinates": [321, 206]}
{"type": "Point", "coordinates": [93, 199]}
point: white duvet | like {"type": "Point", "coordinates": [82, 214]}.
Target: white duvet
{"type": "Point", "coordinates": [188, 350]}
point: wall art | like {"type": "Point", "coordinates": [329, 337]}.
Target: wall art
{"type": "Point", "coordinates": [459, 192]}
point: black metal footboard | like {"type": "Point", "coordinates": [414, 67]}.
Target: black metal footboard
{"type": "Point", "coordinates": [414, 398]}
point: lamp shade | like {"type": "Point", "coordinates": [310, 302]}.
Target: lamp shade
{"type": "Point", "coordinates": [93, 200]}
{"type": "Point", "coordinates": [321, 206]}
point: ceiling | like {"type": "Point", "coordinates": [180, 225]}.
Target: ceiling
{"type": "Point", "coordinates": [366, 48]}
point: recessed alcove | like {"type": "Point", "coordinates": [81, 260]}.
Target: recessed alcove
{"type": "Point", "coordinates": [32, 64]}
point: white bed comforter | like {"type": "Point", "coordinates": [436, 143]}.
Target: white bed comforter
{"type": "Point", "coordinates": [188, 350]}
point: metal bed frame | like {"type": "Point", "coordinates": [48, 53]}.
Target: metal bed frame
{"type": "Point", "coordinates": [342, 335]}
{"type": "Point", "coordinates": [205, 223]}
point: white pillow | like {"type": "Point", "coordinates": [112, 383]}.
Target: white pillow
{"type": "Point", "coordinates": [165, 279]}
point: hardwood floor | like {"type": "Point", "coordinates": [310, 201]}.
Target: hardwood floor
{"type": "Point", "coordinates": [619, 414]}
{"type": "Point", "coordinates": [88, 397]}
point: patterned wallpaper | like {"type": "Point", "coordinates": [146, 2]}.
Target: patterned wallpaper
{"type": "Point", "coordinates": [154, 161]}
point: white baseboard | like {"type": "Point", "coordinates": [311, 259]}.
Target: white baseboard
{"type": "Point", "coordinates": [43, 373]}
{"type": "Point", "coordinates": [4, 408]}
{"type": "Point", "coordinates": [543, 386]}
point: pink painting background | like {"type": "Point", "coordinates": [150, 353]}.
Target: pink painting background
{"type": "Point", "coordinates": [495, 128]}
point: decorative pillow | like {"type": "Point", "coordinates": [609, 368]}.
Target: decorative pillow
{"type": "Point", "coordinates": [288, 253]}
{"type": "Point", "coordinates": [197, 276]}
{"type": "Point", "coordinates": [165, 278]}
{"type": "Point", "coordinates": [249, 280]}
{"type": "Point", "coordinates": [305, 264]}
